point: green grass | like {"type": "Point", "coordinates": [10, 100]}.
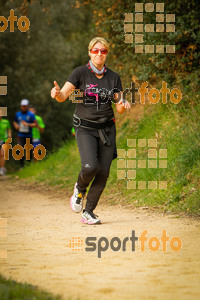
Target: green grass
{"type": "Point", "coordinates": [12, 290]}
{"type": "Point", "coordinates": [57, 169]}
{"type": "Point", "coordinates": [176, 129]}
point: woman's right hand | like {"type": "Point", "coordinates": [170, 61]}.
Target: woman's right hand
{"type": "Point", "coordinates": [55, 92]}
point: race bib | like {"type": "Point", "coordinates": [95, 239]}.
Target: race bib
{"type": "Point", "coordinates": [35, 140]}
{"type": "Point", "coordinates": [23, 128]}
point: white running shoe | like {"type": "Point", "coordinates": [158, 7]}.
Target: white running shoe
{"type": "Point", "coordinates": [76, 200]}
{"type": "Point", "coordinates": [2, 173]}
{"type": "Point", "coordinates": [89, 218]}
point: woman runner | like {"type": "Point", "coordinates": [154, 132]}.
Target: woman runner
{"type": "Point", "coordinates": [94, 124]}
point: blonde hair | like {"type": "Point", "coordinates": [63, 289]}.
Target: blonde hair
{"type": "Point", "coordinates": [98, 40]}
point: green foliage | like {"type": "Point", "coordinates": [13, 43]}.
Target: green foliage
{"type": "Point", "coordinates": [12, 290]}
{"type": "Point", "coordinates": [57, 42]}
{"type": "Point", "coordinates": [48, 51]}
{"type": "Point", "coordinates": [108, 17]}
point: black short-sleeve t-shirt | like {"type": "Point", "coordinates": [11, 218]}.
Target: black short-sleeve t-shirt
{"type": "Point", "coordinates": [97, 93]}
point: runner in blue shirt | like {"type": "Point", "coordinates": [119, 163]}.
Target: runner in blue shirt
{"type": "Point", "coordinates": [23, 123]}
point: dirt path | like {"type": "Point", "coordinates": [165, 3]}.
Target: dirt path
{"type": "Point", "coordinates": [40, 226]}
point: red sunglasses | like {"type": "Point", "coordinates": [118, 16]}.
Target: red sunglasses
{"type": "Point", "coordinates": [96, 51]}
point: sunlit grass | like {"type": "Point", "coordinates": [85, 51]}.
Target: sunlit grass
{"type": "Point", "coordinates": [10, 289]}
{"type": "Point", "coordinates": [176, 130]}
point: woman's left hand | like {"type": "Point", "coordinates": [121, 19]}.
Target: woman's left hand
{"type": "Point", "coordinates": [126, 105]}
{"type": "Point", "coordinates": [122, 106]}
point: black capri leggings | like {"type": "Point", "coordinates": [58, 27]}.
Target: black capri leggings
{"type": "Point", "coordinates": [96, 160]}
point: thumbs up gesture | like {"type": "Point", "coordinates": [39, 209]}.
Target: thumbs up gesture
{"type": "Point", "coordinates": [55, 90]}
